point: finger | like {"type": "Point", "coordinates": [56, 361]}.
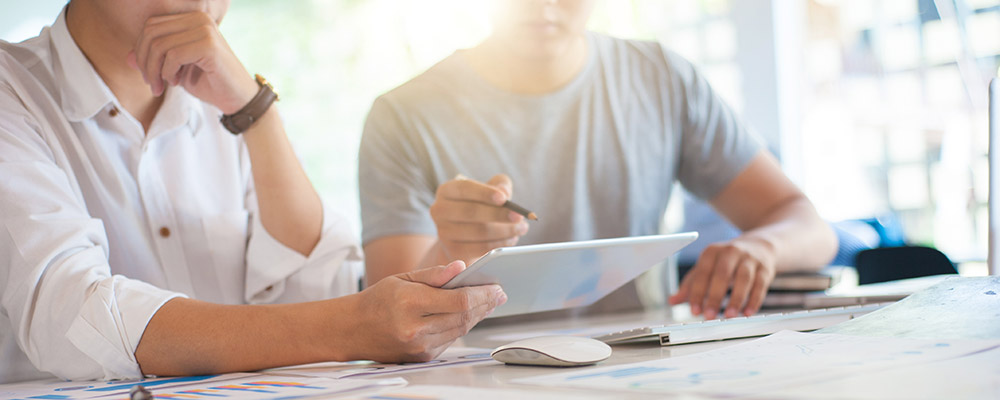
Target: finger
{"type": "Point", "coordinates": [470, 211]}
{"type": "Point", "coordinates": [722, 275]}
{"type": "Point", "coordinates": [683, 290]}
{"type": "Point", "coordinates": [447, 322]}
{"type": "Point", "coordinates": [435, 352]}
{"type": "Point", "coordinates": [435, 276]}
{"type": "Point", "coordinates": [431, 352]}
{"type": "Point", "coordinates": [443, 339]}
{"type": "Point", "coordinates": [502, 182]}
{"type": "Point", "coordinates": [742, 283]}
{"type": "Point", "coordinates": [448, 327]}
{"type": "Point", "coordinates": [172, 52]}
{"type": "Point", "coordinates": [466, 232]}
{"type": "Point", "coordinates": [699, 277]}
{"type": "Point", "coordinates": [464, 299]}
{"type": "Point", "coordinates": [757, 293]}
{"type": "Point", "coordinates": [167, 54]}
{"type": "Point", "coordinates": [157, 19]}
{"type": "Point", "coordinates": [470, 190]}
{"type": "Point", "coordinates": [149, 33]}
{"type": "Point", "coordinates": [441, 329]}
{"type": "Point", "coordinates": [147, 62]}
{"type": "Point", "coordinates": [679, 297]}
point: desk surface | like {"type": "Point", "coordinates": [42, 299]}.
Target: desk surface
{"type": "Point", "coordinates": [963, 308]}
{"type": "Point", "coordinates": [492, 374]}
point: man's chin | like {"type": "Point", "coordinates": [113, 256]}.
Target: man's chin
{"type": "Point", "coordinates": [540, 47]}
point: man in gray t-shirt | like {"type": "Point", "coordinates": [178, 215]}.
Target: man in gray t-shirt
{"type": "Point", "coordinates": [592, 131]}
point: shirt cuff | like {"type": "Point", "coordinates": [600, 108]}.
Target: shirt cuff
{"type": "Point", "coordinates": [112, 320]}
{"type": "Point", "coordinates": [333, 267]}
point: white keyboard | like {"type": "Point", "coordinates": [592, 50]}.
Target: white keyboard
{"type": "Point", "coordinates": [740, 327]}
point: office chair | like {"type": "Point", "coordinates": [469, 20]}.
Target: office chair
{"type": "Point", "coordinates": [891, 263]}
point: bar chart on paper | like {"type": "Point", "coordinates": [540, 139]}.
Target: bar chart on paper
{"type": "Point", "coordinates": [234, 386]}
{"type": "Point", "coordinates": [356, 369]}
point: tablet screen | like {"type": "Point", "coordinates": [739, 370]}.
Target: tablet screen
{"type": "Point", "coordinates": [554, 276]}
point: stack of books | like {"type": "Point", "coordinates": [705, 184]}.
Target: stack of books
{"type": "Point", "coordinates": [840, 289]}
{"type": "Point", "coordinates": [790, 289]}
{"type": "Point", "coordinates": [802, 281]}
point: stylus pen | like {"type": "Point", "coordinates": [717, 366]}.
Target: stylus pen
{"type": "Point", "coordinates": [510, 205]}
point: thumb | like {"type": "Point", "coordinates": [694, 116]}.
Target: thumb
{"type": "Point", "coordinates": [502, 181]}
{"type": "Point", "coordinates": [435, 276]}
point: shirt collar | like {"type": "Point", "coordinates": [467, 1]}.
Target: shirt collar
{"type": "Point", "coordinates": [83, 91]}
{"type": "Point", "coordinates": [177, 110]}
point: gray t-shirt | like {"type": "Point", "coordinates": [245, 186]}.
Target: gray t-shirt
{"type": "Point", "coordinates": [595, 159]}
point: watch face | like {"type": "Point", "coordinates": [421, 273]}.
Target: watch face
{"type": "Point", "coordinates": [263, 82]}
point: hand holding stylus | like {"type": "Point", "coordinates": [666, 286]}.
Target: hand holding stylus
{"type": "Point", "coordinates": [472, 219]}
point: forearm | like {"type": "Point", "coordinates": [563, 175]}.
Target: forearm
{"type": "Point", "coordinates": [390, 255]}
{"type": "Point", "coordinates": [289, 207]}
{"type": "Point", "coordinates": [799, 238]}
{"type": "Point", "coordinates": [190, 337]}
{"type": "Point", "coordinates": [436, 256]}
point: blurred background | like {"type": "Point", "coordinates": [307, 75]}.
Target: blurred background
{"type": "Point", "coordinates": [877, 108]}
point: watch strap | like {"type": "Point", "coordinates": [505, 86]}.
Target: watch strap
{"type": "Point", "coordinates": [243, 119]}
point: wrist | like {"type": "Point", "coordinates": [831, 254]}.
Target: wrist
{"type": "Point", "coordinates": [256, 102]}
{"type": "Point", "coordinates": [244, 93]}
{"type": "Point", "coordinates": [339, 330]}
{"type": "Point", "coordinates": [764, 247]}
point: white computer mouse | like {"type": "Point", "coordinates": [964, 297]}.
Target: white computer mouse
{"type": "Point", "coordinates": [555, 351]}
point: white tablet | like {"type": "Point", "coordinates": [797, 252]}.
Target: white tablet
{"type": "Point", "coordinates": [554, 276]}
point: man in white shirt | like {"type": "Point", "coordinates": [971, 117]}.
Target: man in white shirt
{"type": "Point", "coordinates": [136, 238]}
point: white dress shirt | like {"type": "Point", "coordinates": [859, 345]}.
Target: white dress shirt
{"type": "Point", "coordinates": [101, 223]}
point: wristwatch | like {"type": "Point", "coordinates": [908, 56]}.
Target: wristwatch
{"type": "Point", "coordinates": [243, 119]}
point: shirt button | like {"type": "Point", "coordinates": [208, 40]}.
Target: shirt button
{"type": "Point", "coordinates": [165, 232]}
{"type": "Point", "coordinates": [113, 112]}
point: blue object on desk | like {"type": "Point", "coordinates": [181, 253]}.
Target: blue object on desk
{"type": "Point", "coordinates": [889, 229]}
{"type": "Point", "coordinates": [853, 236]}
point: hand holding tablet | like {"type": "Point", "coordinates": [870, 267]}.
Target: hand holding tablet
{"type": "Point", "coordinates": [554, 276]}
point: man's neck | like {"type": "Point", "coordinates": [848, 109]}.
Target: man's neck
{"type": "Point", "coordinates": [107, 53]}
{"type": "Point", "coordinates": [503, 66]}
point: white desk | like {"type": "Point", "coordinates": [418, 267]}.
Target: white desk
{"type": "Point", "coordinates": [961, 308]}
{"type": "Point", "coordinates": [496, 375]}
{"type": "Point", "coordinates": [958, 309]}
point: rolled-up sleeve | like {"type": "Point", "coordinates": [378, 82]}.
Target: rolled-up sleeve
{"type": "Point", "coordinates": [277, 274]}
{"type": "Point", "coordinates": [68, 313]}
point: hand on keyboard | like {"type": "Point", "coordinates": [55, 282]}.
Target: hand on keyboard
{"type": "Point", "coordinates": [746, 264]}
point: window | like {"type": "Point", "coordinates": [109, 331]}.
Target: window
{"type": "Point", "coordinates": [894, 116]}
